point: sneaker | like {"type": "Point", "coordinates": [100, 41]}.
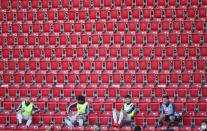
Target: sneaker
{"type": "Point", "coordinates": [76, 124]}
{"type": "Point", "coordinates": [160, 124]}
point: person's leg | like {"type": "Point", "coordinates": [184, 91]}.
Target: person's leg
{"type": "Point", "coordinates": [162, 117]}
{"type": "Point", "coordinates": [29, 121]}
{"type": "Point", "coordinates": [70, 119]}
{"type": "Point", "coordinates": [172, 119]}
{"type": "Point", "coordinates": [19, 117]}
{"type": "Point", "coordinates": [115, 115]}
{"type": "Point", "coordinates": [80, 121]}
{"type": "Point", "coordinates": [122, 115]}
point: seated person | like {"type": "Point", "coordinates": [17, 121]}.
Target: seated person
{"type": "Point", "coordinates": [83, 110]}
{"type": "Point", "coordinates": [204, 125]}
{"type": "Point", "coordinates": [25, 110]}
{"type": "Point", "coordinates": [127, 112]}
{"type": "Point", "coordinates": [168, 112]}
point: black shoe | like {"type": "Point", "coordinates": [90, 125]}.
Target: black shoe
{"type": "Point", "coordinates": [160, 124]}
{"type": "Point", "coordinates": [171, 124]}
{"type": "Point", "coordinates": [76, 124]}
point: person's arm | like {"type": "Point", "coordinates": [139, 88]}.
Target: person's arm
{"type": "Point", "coordinates": [35, 109]}
{"type": "Point", "coordinates": [86, 112]}
{"type": "Point", "coordinates": [71, 106]}
{"type": "Point", "coordinates": [175, 111]}
{"type": "Point", "coordinates": [19, 107]}
{"type": "Point", "coordinates": [162, 110]}
{"type": "Point", "coordinates": [130, 109]}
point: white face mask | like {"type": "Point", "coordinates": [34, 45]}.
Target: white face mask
{"type": "Point", "coordinates": [203, 127]}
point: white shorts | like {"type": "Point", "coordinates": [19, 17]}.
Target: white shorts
{"type": "Point", "coordinates": [128, 118]}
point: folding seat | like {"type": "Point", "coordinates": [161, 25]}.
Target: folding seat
{"type": "Point", "coordinates": [190, 107]}
{"type": "Point", "coordinates": [177, 24]}
{"type": "Point", "coordinates": [204, 94]}
{"type": "Point", "coordinates": [174, 76]}
{"type": "Point", "coordinates": [122, 24]}
{"type": "Point", "coordinates": [186, 76]}
{"type": "Point", "coordinates": [58, 26]}
{"type": "Point", "coordinates": [6, 51]}
{"type": "Point", "coordinates": [94, 13]}
{"type": "Point", "coordinates": [162, 37]}
{"type": "Point", "coordinates": [185, 37]}
{"type": "Point", "coordinates": [128, 76]}
{"type": "Point", "coordinates": [40, 76]}
{"type": "Point", "coordinates": [143, 63]}
{"type": "Point", "coordinates": [90, 26]}
{"type": "Point", "coordinates": [78, 25]}
{"type": "Point", "coordinates": [110, 24]}
{"type": "Point", "coordinates": [155, 63]}
{"type": "Point", "coordinates": [82, 13]}
{"type": "Point", "coordinates": [114, 50]}
{"type": "Point", "coordinates": [99, 63]}
{"type": "Point", "coordinates": [55, 63]}
{"type": "Point", "coordinates": [32, 38]}
{"type": "Point", "coordinates": [110, 63]}
{"type": "Point", "coordinates": [117, 37]}
{"type": "Point", "coordinates": [136, 12]}
{"type": "Point", "coordinates": [37, 26]}
{"type": "Point", "coordinates": [151, 76]}
{"type": "Point", "coordinates": [77, 63]}
{"type": "Point", "coordinates": [3, 38]}
{"type": "Point", "coordinates": [88, 63]}
{"type": "Point", "coordinates": [21, 38]}
{"type": "Point", "coordinates": [140, 76]}
{"type": "Point", "coordinates": [126, 50]}
{"type": "Point", "coordinates": [122, 64]}
{"type": "Point", "coordinates": [47, 26]}
{"type": "Point", "coordinates": [118, 76]}
{"type": "Point", "coordinates": [44, 64]}
{"type": "Point", "coordinates": [29, 76]}
{"type": "Point", "coordinates": [169, 11]}
{"type": "Point", "coordinates": [52, 14]}
{"type": "Point", "coordinates": [202, 11]}
{"type": "Point", "coordinates": [38, 50]}
{"type": "Point", "coordinates": [31, 14]}
{"type": "Point", "coordinates": [68, 25]}
{"type": "Point", "coordinates": [180, 11]}
{"type": "Point", "coordinates": [174, 37]}
{"type": "Point", "coordinates": [191, 11]}
{"type": "Point", "coordinates": [6, 26]}
{"type": "Point", "coordinates": [183, 2]}
{"type": "Point", "coordinates": [199, 24]}
{"type": "Point", "coordinates": [51, 76]}
{"type": "Point", "coordinates": [61, 76]}
{"type": "Point", "coordinates": [72, 76]}
{"type": "Point", "coordinates": [10, 14]}
{"type": "Point", "coordinates": [189, 63]}
{"type": "Point", "coordinates": [196, 36]}
{"type": "Point", "coordinates": [42, 14]}
{"type": "Point", "coordinates": [179, 106]}
{"type": "Point", "coordinates": [100, 24]}
{"type": "Point", "coordinates": [143, 24]}
{"type": "Point", "coordinates": [155, 24]}
{"type": "Point", "coordinates": [163, 76]}
{"type": "Point", "coordinates": [202, 50]}
{"type": "Point", "coordinates": [125, 12]}
{"type": "Point", "coordinates": [74, 38]}
{"type": "Point", "coordinates": [104, 12]}
{"type": "Point", "coordinates": [103, 50]}
{"type": "Point", "coordinates": [147, 11]}
{"type": "Point", "coordinates": [140, 37]}
{"type": "Point", "coordinates": [202, 107]}
{"type": "Point", "coordinates": [84, 76]}
{"type": "Point", "coordinates": [166, 24]}
{"type": "Point", "coordinates": [12, 63]}
{"type": "Point", "coordinates": [182, 92]}
{"type": "Point", "coordinates": [85, 38]}
{"type": "Point", "coordinates": [114, 12]}
{"type": "Point", "coordinates": [54, 39]}
{"type": "Point", "coordinates": [198, 120]}
{"type": "Point", "coordinates": [106, 76]}
{"type": "Point", "coordinates": [178, 63]}
{"type": "Point", "coordinates": [151, 37]}
{"type": "Point", "coordinates": [166, 63]}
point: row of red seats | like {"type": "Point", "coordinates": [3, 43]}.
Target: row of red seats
{"type": "Point", "coordinates": [155, 26]}
{"type": "Point", "coordinates": [142, 39]}
{"type": "Point", "coordinates": [112, 53]}
{"type": "Point", "coordinates": [103, 13]}
{"type": "Point", "coordinates": [145, 64]}
{"type": "Point", "coordinates": [109, 77]}
{"type": "Point", "coordinates": [104, 90]}
{"type": "Point", "coordinates": [38, 4]}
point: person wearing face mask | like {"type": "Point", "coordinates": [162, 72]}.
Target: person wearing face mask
{"type": "Point", "coordinates": [204, 125]}
{"type": "Point", "coordinates": [83, 110]}
{"type": "Point", "coordinates": [126, 113]}
{"type": "Point", "coordinates": [168, 112]}
{"type": "Point", "coordinates": [25, 111]}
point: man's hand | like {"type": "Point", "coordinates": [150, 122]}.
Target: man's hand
{"type": "Point", "coordinates": [33, 112]}
{"type": "Point", "coordinates": [22, 110]}
{"type": "Point", "coordinates": [79, 117]}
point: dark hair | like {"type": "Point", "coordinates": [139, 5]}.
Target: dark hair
{"type": "Point", "coordinates": [165, 96]}
{"type": "Point", "coordinates": [128, 96]}
{"type": "Point", "coordinates": [80, 98]}
{"type": "Point", "coordinates": [137, 128]}
{"type": "Point", "coordinates": [27, 96]}
{"type": "Point", "coordinates": [204, 121]}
